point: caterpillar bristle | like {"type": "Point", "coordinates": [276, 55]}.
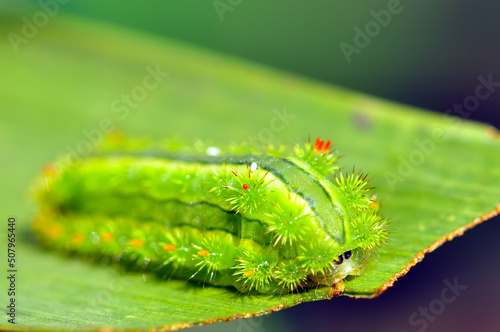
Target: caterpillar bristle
{"type": "Point", "coordinates": [254, 270]}
{"type": "Point", "coordinates": [287, 227]}
{"type": "Point", "coordinates": [310, 260]}
{"type": "Point", "coordinates": [248, 192]}
{"type": "Point", "coordinates": [290, 276]}
{"type": "Point", "coordinates": [370, 230]}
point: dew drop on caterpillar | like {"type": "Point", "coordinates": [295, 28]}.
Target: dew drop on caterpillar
{"type": "Point", "coordinates": [265, 221]}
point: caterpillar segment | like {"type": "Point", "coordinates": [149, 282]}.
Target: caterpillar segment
{"type": "Point", "coordinates": [263, 222]}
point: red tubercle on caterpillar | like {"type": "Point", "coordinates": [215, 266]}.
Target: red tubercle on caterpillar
{"type": "Point", "coordinates": [320, 146]}
{"type": "Point", "coordinates": [327, 146]}
{"type": "Point", "coordinates": [245, 186]}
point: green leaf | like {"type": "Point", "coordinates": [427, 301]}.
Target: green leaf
{"type": "Point", "coordinates": [436, 175]}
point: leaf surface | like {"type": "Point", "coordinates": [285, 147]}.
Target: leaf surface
{"type": "Point", "coordinates": [436, 175]}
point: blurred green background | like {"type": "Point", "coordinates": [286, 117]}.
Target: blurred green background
{"type": "Point", "coordinates": [429, 54]}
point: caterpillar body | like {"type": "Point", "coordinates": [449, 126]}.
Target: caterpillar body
{"type": "Point", "coordinates": [270, 221]}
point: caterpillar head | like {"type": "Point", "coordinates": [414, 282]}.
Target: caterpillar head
{"type": "Point", "coordinates": [363, 233]}
{"type": "Point", "coordinates": [351, 262]}
{"type": "Point", "coordinates": [351, 220]}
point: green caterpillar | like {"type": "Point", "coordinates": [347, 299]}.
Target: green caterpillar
{"type": "Point", "coordinates": [265, 221]}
